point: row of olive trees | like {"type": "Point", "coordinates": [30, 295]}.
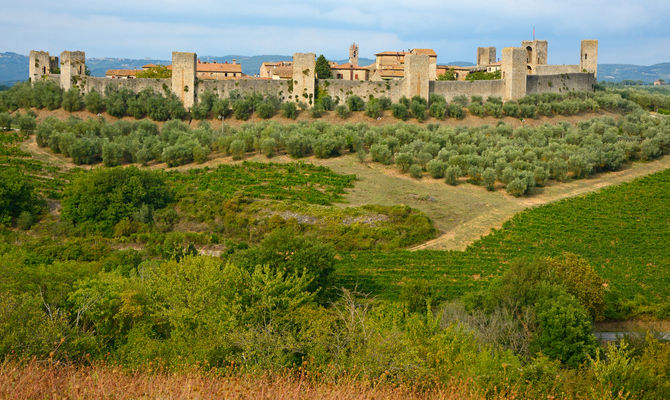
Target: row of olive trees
{"type": "Point", "coordinates": [518, 159]}
{"type": "Point", "coordinates": [120, 102]}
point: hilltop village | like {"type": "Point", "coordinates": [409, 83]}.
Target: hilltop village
{"type": "Point", "coordinates": [394, 74]}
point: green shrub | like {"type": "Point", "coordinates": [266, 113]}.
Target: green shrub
{"type": "Point", "coordinates": [374, 109]}
{"type": "Point", "coordinates": [456, 111]}
{"type": "Point", "coordinates": [17, 196]}
{"type": "Point", "coordinates": [72, 100]}
{"type": "Point", "coordinates": [400, 111]}
{"type": "Point", "coordinates": [451, 175]}
{"type": "Point", "coordinates": [289, 110]}
{"type": "Point", "coordinates": [317, 111]}
{"type": "Point", "coordinates": [26, 123]}
{"type": "Point", "coordinates": [381, 153]}
{"type": "Point", "coordinates": [238, 149]}
{"type": "Point", "coordinates": [268, 146]}
{"type": "Point", "coordinates": [342, 111]}
{"type": "Point", "coordinates": [266, 109]}
{"type": "Point", "coordinates": [489, 178]}
{"type": "Point", "coordinates": [94, 102]}
{"type": "Point", "coordinates": [104, 196]}
{"type": "Point", "coordinates": [477, 109]}
{"type": "Point", "coordinates": [517, 187]}
{"type": "Point", "coordinates": [436, 168]}
{"type": "Point", "coordinates": [493, 109]}
{"type": "Point", "coordinates": [5, 121]}
{"type": "Point", "coordinates": [404, 161]}
{"type": "Point", "coordinates": [385, 102]}
{"type": "Point", "coordinates": [416, 171]}
{"type": "Point", "coordinates": [438, 110]}
{"type": "Point", "coordinates": [355, 103]}
{"type": "Point", "coordinates": [511, 109]}
{"type": "Point", "coordinates": [418, 109]}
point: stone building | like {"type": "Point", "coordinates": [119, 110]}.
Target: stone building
{"type": "Point", "coordinates": [121, 73]}
{"type": "Point", "coordinates": [41, 64]}
{"type": "Point", "coordinates": [276, 70]}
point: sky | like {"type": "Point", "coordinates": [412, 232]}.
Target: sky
{"type": "Point", "coordinates": [629, 32]}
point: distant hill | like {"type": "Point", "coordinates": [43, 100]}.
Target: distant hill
{"type": "Point", "coordinates": [621, 72]}
{"type": "Point", "coordinates": [14, 67]}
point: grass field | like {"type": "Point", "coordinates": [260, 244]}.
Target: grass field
{"type": "Point", "coordinates": [622, 230]}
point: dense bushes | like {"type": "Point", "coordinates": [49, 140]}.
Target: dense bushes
{"type": "Point", "coordinates": [18, 201]}
{"type": "Point", "coordinates": [104, 197]}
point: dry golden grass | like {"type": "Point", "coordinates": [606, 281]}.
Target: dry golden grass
{"type": "Point", "coordinates": [43, 380]}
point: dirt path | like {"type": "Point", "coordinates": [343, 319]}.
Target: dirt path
{"type": "Point", "coordinates": [464, 234]}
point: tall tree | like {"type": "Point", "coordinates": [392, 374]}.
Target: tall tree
{"type": "Point", "coordinates": [322, 68]}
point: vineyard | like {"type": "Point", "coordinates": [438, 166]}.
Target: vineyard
{"type": "Point", "coordinates": [622, 231]}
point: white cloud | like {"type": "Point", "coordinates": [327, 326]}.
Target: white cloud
{"type": "Point", "coordinates": [453, 28]}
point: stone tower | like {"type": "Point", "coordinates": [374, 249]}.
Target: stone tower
{"type": "Point", "coordinates": [536, 53]}
{"type": "Point", "coordinates": [40, 64]}
{"type": "Point", "coordinates": [417, 75]}
{"type": "Point", "coordinates": [304, 65]}
{"type": "Point", "coordinates": [353, 54]}
{"type": "Point", "coordinates": [588, 61]}
{"type": "Point", "coordinates": [72, 68]}
{"type": "Point", "coordinates": [486, 56]}
{"type": "Point", "coordinates": [183, 77]}
{"type": "Point", "coordinates": [514, 75]}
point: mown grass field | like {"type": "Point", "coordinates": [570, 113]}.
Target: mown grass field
{"type": "Point", "coordinates": [624, 231]}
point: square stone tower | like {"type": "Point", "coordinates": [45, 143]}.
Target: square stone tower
{"type": "Point", "coordinates": [536, 53]}
{"type": "Point", "coordinates": [304, 65]}
{"type": "Point", "coordinates": [353, 55]}
{"type": "Point", "coordinates": [486, 55]}
{"type": "Point", "coordinates": [588, 61]}
{"type": "Point", "coordinates": [72, 67]}
{"type": "Point", "coordinates": [514, 72]}
{"type": "Point", "coordinates": [417, 75]}
{"type": "Point", "coordinates": [183, 77]}
{"type": "Point", "coordinates": [40, 64]}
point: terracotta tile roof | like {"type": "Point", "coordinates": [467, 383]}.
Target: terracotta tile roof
{"type": "Point", "coordinates": [218, 67]}
{"type": "Point", "coordinates": [121, 72]}
{"type": "Point", "coordinates": [392, 53]}
{"type": "Point", "coordinates": [149, 66]}
{"type": "Point", "coordinates": [284, 71]}
{"type": "Point", "coordinates": [428, 52]}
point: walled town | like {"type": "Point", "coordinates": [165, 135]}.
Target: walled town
{"type": "Point", "coordinates": [394, 74]}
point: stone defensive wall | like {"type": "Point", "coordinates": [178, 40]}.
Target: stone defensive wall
{"type": "Point", "coordinates": [556, 69]}
{"type": "Point", "coordinates": [560, 83]}
{"type": "Point", "coordinates": [451, 89]}
{"type": "Point", "coordinates": [515, 83]}
{"type": "Point", "coordinates": [223, 88]}
{"type": "Point", "coordinates": [341, 89]}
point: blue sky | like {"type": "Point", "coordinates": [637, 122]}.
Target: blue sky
{"type": "Point", "coordinates": [628, 31]}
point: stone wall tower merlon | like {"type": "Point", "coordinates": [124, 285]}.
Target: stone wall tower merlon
{"type": "Point", "coordinates": [184, 77]}
{"type": "Point", "coordinates": [353, 55]}
{"type": "Point", "coordinates": [486, 55]}
{"type": "Point", "coordinates": [304, 65]}
{"type": "Point", "coordinates": [72, 68]}
{"type": "Point", "coordinates": [536, 53]}
{"type": "Point", "coordinates": [417, 75]}
{"type": "Point", "coordinates": [39, 65]}
{"type": "Point", "coordinates": [514, 73]}
{"type": "Point", "coordinates": [588, 60]}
